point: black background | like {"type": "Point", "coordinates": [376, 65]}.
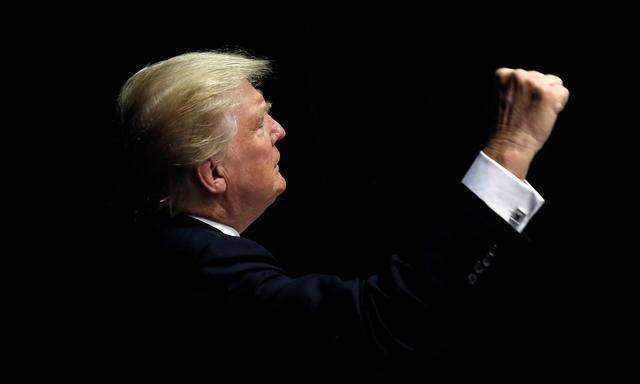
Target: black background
{"type": "Point", "coordinates": [380, 122]}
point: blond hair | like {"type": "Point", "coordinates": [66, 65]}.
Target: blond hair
{"type": "Point", "coordinates": [178, 113]}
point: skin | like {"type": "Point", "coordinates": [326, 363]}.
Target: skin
{"type": "Point", "coordinates": [239, 189]}
{"type": "Point", "coordinates": [529, 106]}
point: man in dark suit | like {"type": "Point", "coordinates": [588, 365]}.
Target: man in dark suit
{"type": "Point", "coordinates": [206, 154]}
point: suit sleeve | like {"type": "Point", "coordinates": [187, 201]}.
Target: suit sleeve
{"type": "Point", "coordinates": [402, 310]}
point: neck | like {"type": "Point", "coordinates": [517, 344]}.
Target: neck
{"type": "Point", "coordinates": [222, 211]}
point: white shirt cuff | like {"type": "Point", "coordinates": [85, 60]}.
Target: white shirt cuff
{"type": "Point", "coordinates": [515, 200]}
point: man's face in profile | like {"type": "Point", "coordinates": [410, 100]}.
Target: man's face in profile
{"type": "Point", "coordinates": [251, 164]}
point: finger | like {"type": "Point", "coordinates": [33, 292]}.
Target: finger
{"type": "Point", "coordinates": [535, 74]}
{"type": "Point", "coordinates": [521, 74]}
{"type": "Point", "coordinates": [562, 96]}
{"type": "Point", "coordinates": [503, 71]}
{"type": "Point", "coordinates": [565, 96]}
{"type": "Point", "coordinates": [503, 74]}
{"type": "Point", "coordinates": [553, 80]}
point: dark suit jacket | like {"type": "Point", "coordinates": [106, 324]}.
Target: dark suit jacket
{"type": "Point", "coordinates": [222, 304]}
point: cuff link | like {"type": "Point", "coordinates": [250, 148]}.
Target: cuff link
{"type": "Point", "coordinates": [517, 216]}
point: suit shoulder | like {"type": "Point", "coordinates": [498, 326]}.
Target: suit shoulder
{"type": "Point", "coordinates": [200, 242]}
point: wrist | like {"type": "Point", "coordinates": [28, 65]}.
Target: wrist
{"type": "Point", "coordinates": [514, 158]}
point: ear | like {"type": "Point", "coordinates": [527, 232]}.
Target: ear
{"type": "Point", "coordinates": [210, 178]}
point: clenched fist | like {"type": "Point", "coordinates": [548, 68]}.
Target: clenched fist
{"type": "Point", "coordinates": [529, 105]}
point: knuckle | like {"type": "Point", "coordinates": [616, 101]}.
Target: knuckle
{"type": "Point", "coordinates": [504, 74]}
{"type": "Point", "coordinates": [554, 79]}
{"type": "Point", "coordinates": [535, 74]}
{"type": "Point", "coordinates": [557, 95]}
{"type": "Point", "coordinates": [520, 74]}
{"type": "Point", "coordinates": [543, 93]}
{"type": "Point", "coordinates": [524, 79]}
{"type": "Point", "coordinates": [560, 90]}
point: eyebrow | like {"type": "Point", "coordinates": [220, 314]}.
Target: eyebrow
{"type": "Point", "coordinates": [264, 111]}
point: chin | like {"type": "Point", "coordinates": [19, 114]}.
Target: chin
{"type": "Point", "coordinates": [281, 185]}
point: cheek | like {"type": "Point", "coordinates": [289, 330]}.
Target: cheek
{"type": "Point", "coordinates": [261, 161]}
{"type": "Point", "coordinates": [255, 162]}
{"type": "Point", "coordinates": [264, 153]}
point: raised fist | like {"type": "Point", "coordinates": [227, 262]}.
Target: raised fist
{"type": "Point", "coordinates": [529, 105]}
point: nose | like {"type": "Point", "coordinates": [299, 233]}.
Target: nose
{"type": "Point", "coordinates": [278, 132]}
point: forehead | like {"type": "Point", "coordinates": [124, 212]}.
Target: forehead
{"type": "Point", "coordinates": [250, 109]}
{"type": "Point", "coordinates": [250, 96]}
